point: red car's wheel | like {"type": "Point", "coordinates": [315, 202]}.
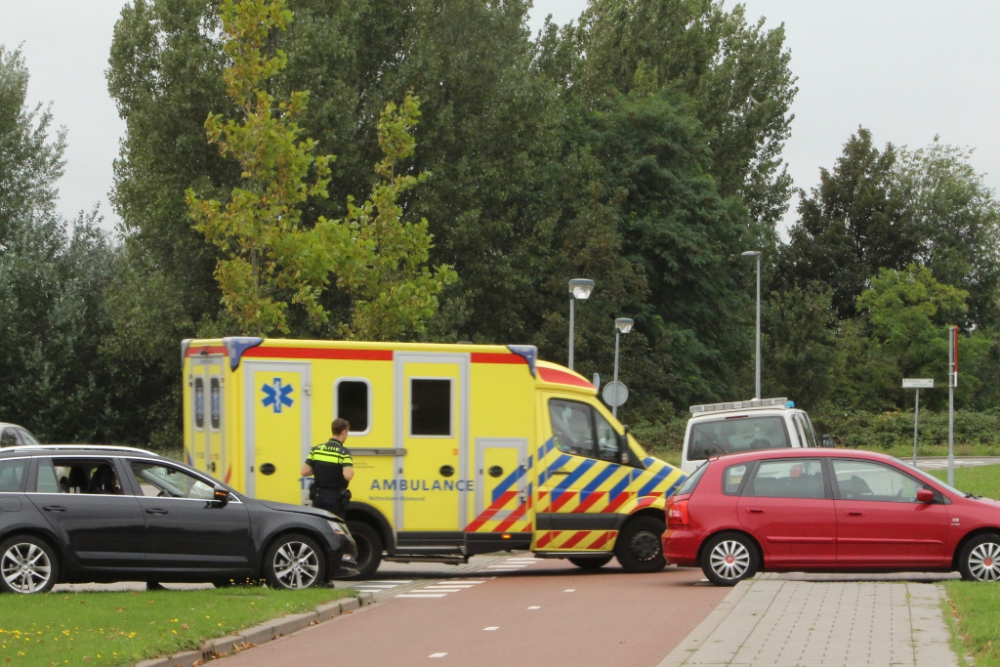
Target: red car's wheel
{"type": "Point", "coordinates": [729, 558]}
{"type": "Point", "coordinates": [980, 558]}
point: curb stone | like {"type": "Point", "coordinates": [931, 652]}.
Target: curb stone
{"type": "Point", "coordinates": [260, 634]}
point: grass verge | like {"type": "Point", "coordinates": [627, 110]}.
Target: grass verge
{"type": "Point", "coordinates": [122, 628]}
{"type": "Point", "coordinates": [974, 611]}
{"type": "Point", "coordinates": [980, 480]}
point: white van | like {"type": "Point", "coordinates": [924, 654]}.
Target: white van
{"type": "Point", "coordinates": [761, 423]}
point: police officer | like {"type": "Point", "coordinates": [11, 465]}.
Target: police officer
{"type": "Point", "coordinates": [333, 468]}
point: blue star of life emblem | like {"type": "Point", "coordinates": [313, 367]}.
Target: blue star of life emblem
{"type": "Point", "coordinates": [276, 395]}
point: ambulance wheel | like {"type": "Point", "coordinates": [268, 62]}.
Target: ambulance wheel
{"type": "Point", "coordinates": [591, 563]}
{"type": "Point", "coordinates": [639, 547]}
{"type": "Point", "coordinates": [369, 549]}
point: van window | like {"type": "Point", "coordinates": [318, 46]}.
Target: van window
{"type": "Point", "coordinates": [352, 404]}
{"type": "Point", "coordinates": [799, 430]}
{"type": "Point", "coordinates": [724, 436]}
{"type": "Point", "coordinates": [795, 478]}
{"type": "Point", "coordinates": [573, 427]}
{"type": "Point", "coordinates": [199, 403]}
{"type": "Point", "coordinates": [12, 474]}
{"type": "Point", "coordinates": [216, 393]}
{"type": "Point", "coordinates": [430, 407]}
{"type": "Point", "coordinates": [807, 425]}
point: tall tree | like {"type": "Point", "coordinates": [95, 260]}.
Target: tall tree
{"type": "Point", "coordinates": [736, 73]}
{"type": "Point", "coordinates": [852, 225]}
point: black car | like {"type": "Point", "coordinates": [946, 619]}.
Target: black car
{"type": "Point", "coordinates": [102, 514]}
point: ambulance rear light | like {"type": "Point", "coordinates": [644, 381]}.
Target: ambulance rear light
{"type": "Point", "coordinates": [505, 536]}
{"type": "Point", "coordinates": [740, 405]}
{"type": "Point", "coordinates": [677, 515]}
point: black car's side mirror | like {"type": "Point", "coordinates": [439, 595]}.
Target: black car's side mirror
{"type": "Point", "coordinates": [827, 440]}
{"type": "Point", "coordinates": [221, 496]}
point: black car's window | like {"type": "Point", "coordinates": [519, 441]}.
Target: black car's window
{"type": "Point", "coordinates": [736, 434]}
{"type": "Point", "coordinates": [863, 480]}
{"type": "Point", "coordinates": [168, 482]}
{"type": "Point", "coordinates": [732, 478]}
{"type": "Point", "coordinates": [8, 437]}
{"type": "Point", "coordinates": [12, 474]}
{"type": "Point", "coordinates": [788, 478]}
{"type": "Point", "coordinates": [94, 476]}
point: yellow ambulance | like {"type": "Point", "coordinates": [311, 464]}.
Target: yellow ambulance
{"type": "Point", "coordinates": [458, 449]}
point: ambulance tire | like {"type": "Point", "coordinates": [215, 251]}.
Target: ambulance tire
{"type": "Point", "coordinates": [639, 547]}
{"type": "Point", "coordinates": [370, 549]}
{"type": "Point", "coordinates": [591, 563]}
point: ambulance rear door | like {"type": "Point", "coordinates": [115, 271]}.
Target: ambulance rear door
{"type": "Point", "coordinates": [207, 435]}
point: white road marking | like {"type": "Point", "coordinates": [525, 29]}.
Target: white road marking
{"type": "Point", "coordinates": [437, 655]}
{"type": "Point", "coordinates": [491, 628]}
{"type": "Point", "coordinates": [570, 590]}
{"type": "Point", "coordinates": [535, 607]}
{"type": "Point", "coordinates": [421, 595]}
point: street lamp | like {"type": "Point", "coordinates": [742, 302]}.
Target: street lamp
{"type": "Point", "coordinates": [754, 253]}
{"type": "Point", "coordinates": [622, 326]}
{"type": "Point", "coordinates": [579, 288]}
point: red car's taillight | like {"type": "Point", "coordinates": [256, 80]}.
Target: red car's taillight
{"type": "Point", "coordinates": [677, 514]}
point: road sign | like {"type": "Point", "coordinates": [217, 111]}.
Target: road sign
{"type": "Point", "coordinates": [918, 383]}
{"type": "Point", "coordinates": [615, 394]}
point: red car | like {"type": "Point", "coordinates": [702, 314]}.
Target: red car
{"type": "Point", "coordinates": [827, 510]}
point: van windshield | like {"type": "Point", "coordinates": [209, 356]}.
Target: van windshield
{"type": "Point", "coordinates": [736, 434]}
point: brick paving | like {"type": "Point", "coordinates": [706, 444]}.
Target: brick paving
{"type": "Point", "coordinates": [782, 623]}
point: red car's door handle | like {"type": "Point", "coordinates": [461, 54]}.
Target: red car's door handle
{"type": "Point", "coordinates": [754, 510]}
{"type": "Point", "coordinates": [854, 513]}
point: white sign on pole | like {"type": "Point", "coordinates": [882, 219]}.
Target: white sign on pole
{"type": "Point", "coordinates": [615, 394]}
{"type": "Point", "coordinates": [918, 383]}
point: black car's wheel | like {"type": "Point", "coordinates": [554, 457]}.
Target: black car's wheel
{"type": "Point", "coordinates": [294, 562]}
{"type": "Point", "coordinates": [591, 563]}
{"type": "Point", "coordinates": [27, 565]}
{"type": "Point", "coordinates": [980, 558]}
{"type": "Point", "coordinates": [369, 549]}
{"type": "Point", "coordinates": [729, 558]}
{"type": "Point", "coordinates": [639, 547]}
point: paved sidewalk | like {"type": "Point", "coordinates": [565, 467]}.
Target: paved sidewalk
{"type": "Point", "coordinates": [781, 623]}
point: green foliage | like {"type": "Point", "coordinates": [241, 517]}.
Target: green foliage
{"type": "Point", "coordinates": [266, 250]}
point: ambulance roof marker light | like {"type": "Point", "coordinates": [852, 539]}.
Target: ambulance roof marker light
{"type": "Point", "coordinates": [236, 346]}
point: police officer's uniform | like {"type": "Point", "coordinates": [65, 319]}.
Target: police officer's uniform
{"type": "Point", "coordinates": [329, 487]}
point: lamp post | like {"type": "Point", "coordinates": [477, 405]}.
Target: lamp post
{"type": "Point", "coordinates": [579, 288]}
{"type": "Point", "coordinates": [622, 326]}
{"type": "Point", "coordinates": [755, 253]}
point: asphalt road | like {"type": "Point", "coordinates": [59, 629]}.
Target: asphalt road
{"type": "Point", "coordinates": [503, 611]}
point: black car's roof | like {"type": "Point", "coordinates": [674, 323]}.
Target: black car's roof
{"type": "Point", "coordinates": [89, 450]}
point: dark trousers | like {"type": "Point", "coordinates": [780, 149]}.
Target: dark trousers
{"type": "Point", "coordinates": [331, 501]}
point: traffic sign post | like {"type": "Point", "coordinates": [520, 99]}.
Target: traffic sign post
{"type": "Point", "coordinates": [952, 383]}
{"type": "Point", "coordinates": [615, 394]}
{"type": "Point", "coordinates": [918, 384]}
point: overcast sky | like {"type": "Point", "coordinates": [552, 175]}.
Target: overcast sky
{"type": "Point", "coordinates": [907, 70]}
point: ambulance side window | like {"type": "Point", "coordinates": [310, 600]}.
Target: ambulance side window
{"type": "Point", "coordinates": [573, 427]}
{"type": "Point", "coordinates": [354, 404]}
{"type": "Point", "coordinates": [430, 407]}
{"type": "Point", "coordinates": [199, 403]}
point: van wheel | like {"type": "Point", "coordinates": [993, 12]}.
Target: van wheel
{"type": "Point", "coordinates": [294, 562]}
{"type": "Point", "coordinates": [369, 549]}
{"type": "Point", "coordinates": [980, 558]}
{"type": "Point", "coordinates": [591, 563]}
{"type": "Point", "coordinates": [639, 547]}
{"type": "Point", "coordinates": [729, 558]}
{"type": "Point", "coordinates": [27, 565]}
